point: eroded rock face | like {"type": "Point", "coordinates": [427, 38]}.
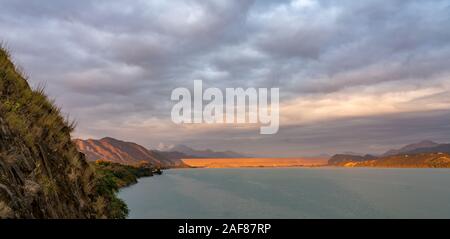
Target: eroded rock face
{"type": "Point", "coordinates": [40, 184]}
{"type": "Point", "coordinates": [42, 175]}
{"type": "Point", "coordinates": [117, 151]}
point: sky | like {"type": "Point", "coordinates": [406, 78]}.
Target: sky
{"type": "Point", "coordinates": [354, 76]}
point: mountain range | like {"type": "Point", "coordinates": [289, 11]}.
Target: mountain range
{"type": "Point", "coordinates": [411, 147]}
{"type": "Point", "coordinates": [118, 151]}
{"type": "Point", "coordinates": [422, 154]}
{"type": "Point", "coordinates": [416, 160]}
{"type": "Point", "coordinates": [114, 150]}
{"type": "Point", "coordinates": [208, 153]}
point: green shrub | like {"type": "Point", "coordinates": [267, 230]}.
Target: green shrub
{"type": "Point", "coordinates": [109, 177]}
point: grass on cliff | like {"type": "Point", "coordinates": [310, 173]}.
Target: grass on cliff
{"type": "Point", "coordinates": [38, 123]}
{"type": "Point", "coordinates": [29, 112]}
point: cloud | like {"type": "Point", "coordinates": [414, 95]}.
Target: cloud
{"type": "Point", "coordinates": [112, 64]}
{"type": "Point", "coordinates": [380, 99]}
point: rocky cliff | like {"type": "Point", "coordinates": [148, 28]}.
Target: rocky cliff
{"type": "Point", "coordinates": [42, 174]}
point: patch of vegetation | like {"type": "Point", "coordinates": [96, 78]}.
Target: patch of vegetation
{"type": "Point", "coordinates": [29, 112]}
{"type": "Point", "coordinates": [109, 178]}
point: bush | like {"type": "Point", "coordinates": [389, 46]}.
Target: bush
{"type": "Point", "coordinates": [109, 178]}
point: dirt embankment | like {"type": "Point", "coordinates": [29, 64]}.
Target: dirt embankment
{"type": "Point", "coordinates": [254, 162]}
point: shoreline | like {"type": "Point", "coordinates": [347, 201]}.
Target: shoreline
{"type": "Point", "coordinates": [254, 162]}
{"type": "Point", "coordinates": [310, 167]}
{"type": "Point", "coordinates": [254, 167]}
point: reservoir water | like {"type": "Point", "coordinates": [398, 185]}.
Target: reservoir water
{"type": "Point", "coordinates": [291, 193]}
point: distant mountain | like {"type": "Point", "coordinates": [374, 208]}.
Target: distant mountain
{"type": "Point", "coordinates": [425, 154]}
{"type": "Point", "coordinates": [441, 148]}
{"type": "Point", "coordinates": [352, 153]}
{"type": "Point", "coordinates": [342, 159]}
{"type": "Point", "coordinates": [172, 156]}
{"type": "Point", "coordinates": [193, 153]}
{"type": "Point", "coordinates": [164, 147]}
{"type": "Point", "coordinates": [411, 147]}
{"type": "Point", "coordinates": [420, 160]}
{"type": "Point", "coordinates": [110, 149]}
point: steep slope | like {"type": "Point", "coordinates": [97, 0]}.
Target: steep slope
{"type": "Point", "coordinates": [117, 151]}
{"type": "Point", "coordinates": [42, 175]}
{"type": "Point", "coordinates": [411, 147]}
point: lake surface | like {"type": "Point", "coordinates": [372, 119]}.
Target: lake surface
{"type": "Point", "coordinates": [291, 193]}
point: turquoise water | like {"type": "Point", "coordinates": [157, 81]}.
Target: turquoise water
{"type": "Point", "coordinates": [292, 193]}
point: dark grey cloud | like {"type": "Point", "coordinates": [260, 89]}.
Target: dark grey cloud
{"type": "Point", "coordinates": [113, 64]}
